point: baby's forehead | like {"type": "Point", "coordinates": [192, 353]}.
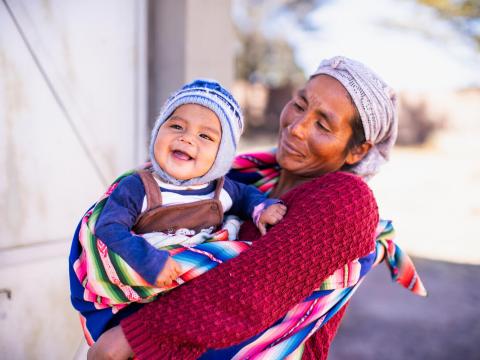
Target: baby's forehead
{"type": "Point", "coordinates": [204, 119]}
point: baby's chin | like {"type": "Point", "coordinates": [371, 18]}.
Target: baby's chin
{"type": "Point", "coordinates": [181, 176]}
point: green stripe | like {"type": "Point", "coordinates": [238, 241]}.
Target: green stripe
{"type": "Point", "coordinates": [112, 291]}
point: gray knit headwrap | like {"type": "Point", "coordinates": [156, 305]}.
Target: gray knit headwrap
{"type": "Point", "coordinates": [376, 104]}
{"type": "Point", "coordinates": [216, 98]}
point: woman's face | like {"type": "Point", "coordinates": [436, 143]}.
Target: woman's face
{"type": "Point", "coordinates": [315, 128]}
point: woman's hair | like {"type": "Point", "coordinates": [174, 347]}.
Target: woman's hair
{"type": "Point", "coordinates": [358, 132]}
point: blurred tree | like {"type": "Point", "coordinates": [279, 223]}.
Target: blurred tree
{"type": "Point", "coordinates": [262, 58]}
{"type": "Point", "coordinates": [465, 14]}
{"type": "Point", "coordinates": [269, 61]}
{"type": "Point", "coordinates": [266, 61]}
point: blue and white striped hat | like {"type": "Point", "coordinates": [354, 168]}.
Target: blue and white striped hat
{"type": "Point", "coordinates": [213, 96]}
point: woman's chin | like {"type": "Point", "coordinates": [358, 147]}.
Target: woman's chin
{"type": "Point", "coordinates": [291, 165]}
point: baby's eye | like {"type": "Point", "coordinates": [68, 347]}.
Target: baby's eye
{"type": "Point", "coordinates": [176, 127]}
{"type": "Point", "coordinates": [206, 137]}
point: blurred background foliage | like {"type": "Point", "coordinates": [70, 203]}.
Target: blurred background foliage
{"type": "Point", "coordinates": [268, 71]}
{"type": "Point", "coordinates": [464, 14]}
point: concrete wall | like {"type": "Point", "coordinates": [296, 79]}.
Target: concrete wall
{"type": "Point", "coordinates": [76, 93]}
{"type": "Point", "coordinates": [188, 39]}
{"type": "Point", "coordinates": [72, 117]}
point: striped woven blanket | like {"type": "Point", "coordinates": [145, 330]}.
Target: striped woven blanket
{"type": "Point", "coordinates": [109, 282]}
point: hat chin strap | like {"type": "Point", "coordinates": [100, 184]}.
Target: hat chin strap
{"type": "Point", "coordinates": [163, 175]}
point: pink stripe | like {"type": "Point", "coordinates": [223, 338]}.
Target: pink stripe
{"type": "Point", "coordinates": [297, 318]}
{"type": "Point", "coordinates": [112, 274]}
{"type": "Point", "coordinates": [207, 254]}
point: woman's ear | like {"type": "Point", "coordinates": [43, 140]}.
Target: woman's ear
{"type": "Point", "coordinates": [357, 153]}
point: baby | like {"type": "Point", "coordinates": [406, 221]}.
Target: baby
{"type": "Point", "coordinates": [192, 146]}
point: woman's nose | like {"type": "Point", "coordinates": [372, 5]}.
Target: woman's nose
{"type": "Point", "coordinates": [297, 128]}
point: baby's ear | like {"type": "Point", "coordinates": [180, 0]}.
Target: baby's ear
{"type": "Point", "coordinates": [357, 153]}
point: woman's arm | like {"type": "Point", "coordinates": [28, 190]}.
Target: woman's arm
{"type": "Point", "coordinates": [330, 222]}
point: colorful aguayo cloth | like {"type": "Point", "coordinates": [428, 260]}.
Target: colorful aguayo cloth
{"type": "Point", "coordinates": [108, 284]}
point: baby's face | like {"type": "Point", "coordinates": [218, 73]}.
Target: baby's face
{"type": "Point", "coordinates": [187, 143]}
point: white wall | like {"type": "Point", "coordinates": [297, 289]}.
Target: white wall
{"type": "Point", "coordinates": [54, 165]}
{"type": "Point", "coordinates": [93, 53]}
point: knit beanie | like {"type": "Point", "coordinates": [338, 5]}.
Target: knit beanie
{"type": "Point", "coordinates": [215, 97]}
{"type": "Point", "coordinates": [376, 103]}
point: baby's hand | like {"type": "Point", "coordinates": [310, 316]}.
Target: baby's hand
{"type": "Point", "coordinates": [170, 272]}
{"type": "Point", "coordinates": [271, 216]}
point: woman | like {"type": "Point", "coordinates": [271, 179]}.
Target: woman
{"type": "Point", "coordinates": [344, 118]}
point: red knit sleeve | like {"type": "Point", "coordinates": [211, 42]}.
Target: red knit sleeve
{"type": "Point", "coordinates": [330, 222]}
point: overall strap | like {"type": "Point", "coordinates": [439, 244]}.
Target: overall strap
{"type": "Point", "coordinates": [152, 190]}
{"type": "Point", "coordinates": [219, 188]}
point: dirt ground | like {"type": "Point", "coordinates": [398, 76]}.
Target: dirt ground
{"type": "Point", "coordinates": [385, 321]}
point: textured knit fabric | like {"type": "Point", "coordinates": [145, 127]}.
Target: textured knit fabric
{"type": "Point", "coordinates": [376, 104]}
{"type": "Point", "coordinates": [215, 97]}
{"type": "Point", "coordinates": [331, 221]}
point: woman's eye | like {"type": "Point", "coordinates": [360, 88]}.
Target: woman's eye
{"type": "Point", "coordinates": [298, 106]}
{"type": "Point", "coordinates": [206, 137]}
{"type": "Point", "coordinates": [321, 126]}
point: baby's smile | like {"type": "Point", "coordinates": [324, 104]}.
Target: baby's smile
{"type": "Point", "coordinates": [181, 155]}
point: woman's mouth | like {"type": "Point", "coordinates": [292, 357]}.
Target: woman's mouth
{"type": "Point", "coordinates": [290, 148]}
{"type": "Point", "coordinates": [180, 155]}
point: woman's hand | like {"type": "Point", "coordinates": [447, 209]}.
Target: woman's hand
{"type": "Point", "coordinates": [112, 345]}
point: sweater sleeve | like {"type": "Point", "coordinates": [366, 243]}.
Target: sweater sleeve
{"type": "Point", "coordinates": [330, 222]}
{"type": "Point", "coordinates": [114, 228]}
